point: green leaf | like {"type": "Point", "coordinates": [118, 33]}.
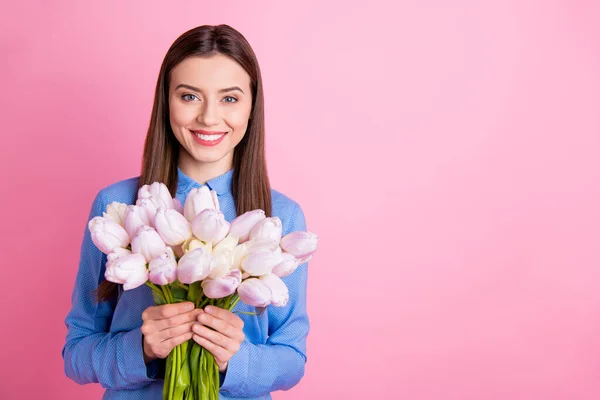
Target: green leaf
{"type": "Point", "coordinates": [182, 382]}
{"type": "Point", "coordinates": [167, 386]}
{"type": "Point", "coordinates": [194, 292]}
{"type": "Point", "coordinates": [194, 361]}
{"type": "Point", "coordinates": [157, 294]}
{"type": "Point", "coordinates": [178, 292]}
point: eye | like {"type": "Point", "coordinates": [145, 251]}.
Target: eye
{"type": "Point", "coordinates": [229, 99]}
{"type": "Point", "coordinates": [189, 97]}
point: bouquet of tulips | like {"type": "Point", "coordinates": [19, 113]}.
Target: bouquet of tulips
{"type": "Point", "coordinates": [191, 253]}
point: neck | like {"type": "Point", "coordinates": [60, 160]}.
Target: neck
{"type": "Point", "coordinates": [202, 172]}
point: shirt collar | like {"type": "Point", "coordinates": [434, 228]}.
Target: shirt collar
{"type": "Point", "coordinates": [220, 184]}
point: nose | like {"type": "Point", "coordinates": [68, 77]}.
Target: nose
{"type": "Point", "coordinates": [209, 114]}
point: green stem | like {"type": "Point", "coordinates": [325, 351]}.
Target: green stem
{"type": "Point", "coordinates": [204, 303]}
{"type": "Point", "coordinates": [156, 291]}
{"type": "Point", "coordinates": [236, 298]}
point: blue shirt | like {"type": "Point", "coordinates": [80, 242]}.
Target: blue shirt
{"type": "Point", "coordinates": [104, 341]}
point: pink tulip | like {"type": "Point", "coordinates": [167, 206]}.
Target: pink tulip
{"type": "Point", "coordinates": [254, 292]}
{"type": "Point", "coordinates": [163, 269]}
{"type": "Point", "coordinates": [178, 206]}
{"type": "Point", "coordinates": [107, 234]}
{"type": "Point", "coordinates": [194, 266]}
{"type": "Point", "coordinates": [215, 199]}
{"type": "Point", "coordinates": [135, 218]}
{"type": "Point", "coordinates": [222, 287]}
{"type": "Point", "coordinates": [263, 244]}
{"type": "Point", "coordinates": [160, 194]}
{"type": "Point", "coordinates": [267, 229]}
{"type": "Point", "coordinates": [127, 269]}
{"type": "Point", "coordinates": [261, 260]}
{"type": "Point", "coordinates": [242, 225]}
{"type": "Point", "coordinates": [279, 291]}
{"type": "Point", "coordinates": [148, 243]}
{"type": "Point", "coordinates": [210, 226]}
{"type": "Point", "coordinates": [287, 266]}
{"type": "Point", "coordinates": [150, 205]}
{"type": "Point", "coordinates": [300, 244]}
{"type": "Point", "coordinates": [172, 227]}
{"type": "Point", "coordinates": [198, 200]}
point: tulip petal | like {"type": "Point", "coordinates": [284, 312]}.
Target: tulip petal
{"type": "Point", "coordinates": [254, 293]}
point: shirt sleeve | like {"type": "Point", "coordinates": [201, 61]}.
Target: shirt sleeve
{"type": "Point", "coordinates": [91, 353]}
{"type": "Point", "coordinates": [259, 369]}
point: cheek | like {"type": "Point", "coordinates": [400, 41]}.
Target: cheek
{"type": "Point", "coordinates": [238, 120]}
{"type": "Point", "coordinates": [181, 116]}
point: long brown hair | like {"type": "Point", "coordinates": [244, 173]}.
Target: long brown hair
{"type": "Point", "coordinates": [250, 184]}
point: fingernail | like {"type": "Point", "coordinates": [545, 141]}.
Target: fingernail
{"type": "Point", "coordinates": [189, 306]}
{"type": "Point", "coordinates": [209, 309]}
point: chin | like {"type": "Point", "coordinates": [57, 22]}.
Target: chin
{"type": "Point", "coordinates": [209, 158]}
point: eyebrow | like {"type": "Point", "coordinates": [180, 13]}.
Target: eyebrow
{"type": "Point", "coordinates": [229, 89]}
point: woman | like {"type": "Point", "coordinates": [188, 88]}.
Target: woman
{"type": "Point", "coordinates": [206, 128]}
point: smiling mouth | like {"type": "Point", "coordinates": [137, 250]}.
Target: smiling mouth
{"type": "Point", "coordinates": [208, 138]}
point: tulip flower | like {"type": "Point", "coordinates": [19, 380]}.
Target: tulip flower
{"type": "Point", "coordinates": [163, 269]}
{"type": "Point", "coordinates": [215, 199]}
{"type": "Point", "coordinates": [135, 218]}
{"type": "Point", "coordinates": [172, 227]}
{"type": "Point", "coordinates": [107, 234]}
{"type": "Point", "coordinates": [300, 244]}
{"type": "Point", "coordinates": [239, 253]}
{"type": "Point", "coordinates": [198, 200]}
{"type": "Point", "coordinates": [222, 287]}
{"type": "Point", "coordinates": [116, 211]}
{"type": "Point", "coordinates": [148, 243]}
{"type": "Point", "coordinates": [267, 229]}
{"type": "Point", "coordinates": [261, 260]}
{"type": "Point", "coordinates": [229, 243]}
{"type": "Point", "coordinates": [194, 266]}
{"type": "Point", "coordinates": [287, 266]}
{"type": "Point", "coordinates": [210, 226]}
{"type": "Point", "coordinates": [279, 291]}
{"type": "Point", "coordinates": [193, 243]}
{"type": "Point", "coordinates": [150, 205]}
{"type": "Point", "coordinates": [159, 192]}
{"type": "Point", "coordinates": [254, 292]}
{"type": "Point", "coordinates": [263, 244]}
{"type": "Point", "coordinates": [242, 225]}
{"type": "Point", "coordinates": [221, 263]}
{"type": "Point", "coordinates": [178, 206]}
{"type": "Point", "coordinates": [128, 269]}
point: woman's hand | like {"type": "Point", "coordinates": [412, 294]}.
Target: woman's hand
{"type": "Point", "coordinates": [165, 327]}
{"type": "Point", "coordinates": [221, 332]}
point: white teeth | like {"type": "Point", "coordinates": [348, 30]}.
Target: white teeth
{"type": "Point", "coordinates": [210, 138]}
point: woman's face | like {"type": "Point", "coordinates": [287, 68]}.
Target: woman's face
{"type": "Point", "coordinates": [210, 101]}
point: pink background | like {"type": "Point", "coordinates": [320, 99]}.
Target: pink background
{"type": "Point", "coordinates": [447, 154]}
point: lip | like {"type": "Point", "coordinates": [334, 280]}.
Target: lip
{"type": "Point", "coordinates": [208, 143]}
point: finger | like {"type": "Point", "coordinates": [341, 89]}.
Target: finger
{"type": "Point", "coordinates": [217, 338]}
{"type": "Point", "coordinates": [219, 325]}
{"type": "Point", "coordinates": [176, 341]}
{"type": "Point", "coordinates": [217, 351]}
{"type": "Point", "coordinates": [177, 320]}
{"type": "Point", "coordinates": [225, 315]}
{"type": "Point", "coordinates": [166, 311]}
{"type": "Point", "coordinates": [169, 333]}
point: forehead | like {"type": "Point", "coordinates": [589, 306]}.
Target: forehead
{"type": "Point", "coordinates": [214, 72]}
